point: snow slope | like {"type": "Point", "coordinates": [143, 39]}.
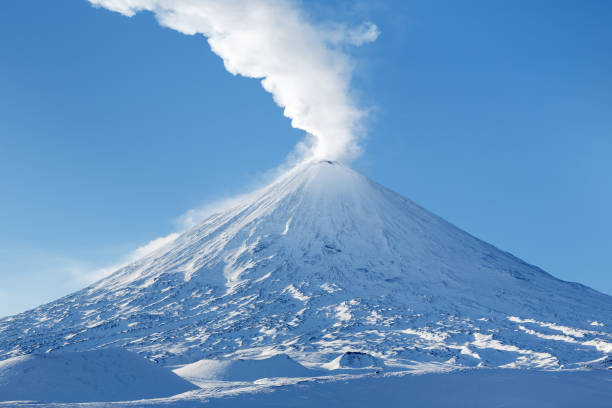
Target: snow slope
{"type": "Point", "coordinates": [461, 389]}
{"type": "Point", "coordinates": [483, 388]}
{"type": "Point", "coordinates": [321, 262]}
{"type": "Point", "coordinates": [354, 359]}
{"type": "Point", "coordinates": [279, 365]}
{"type": "Point", "coordinates": [101, 375]}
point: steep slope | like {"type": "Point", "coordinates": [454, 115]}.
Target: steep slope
{"type": "Point", "coordinates": [321, 262]}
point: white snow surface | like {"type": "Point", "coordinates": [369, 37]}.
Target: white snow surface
{"type": "Point", "coordinates": [100, 375]}
{"type": "Point", "coordinates": [481, 388]}
{"type": "Point", "coordinates": [278, 366]}
{"type": "Point", "coordinates": [354, 360]}
{"type": "Point", "coordinates": [321, 262]}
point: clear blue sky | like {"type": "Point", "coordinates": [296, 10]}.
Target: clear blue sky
{"type": "Point", "coordinates": [495, 115]}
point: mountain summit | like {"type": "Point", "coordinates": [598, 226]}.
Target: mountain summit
{"type": "Point", "coordinates": [320, 263]}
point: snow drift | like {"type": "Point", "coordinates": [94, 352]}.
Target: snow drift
{"type": "Point", "coordinates": [354, 359]}
{"type": "Point", "coordinates": [485, 388]}
{"type": "Point", "coordinates": [244, 370]}
{"type": "Point", "coordinates": [91, 376]}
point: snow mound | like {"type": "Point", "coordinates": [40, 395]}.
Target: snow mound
{"type": "Point", "coordinates": [99, 375]}
{"type": "Point", "coordinates": [279, 365]}
{"type": "Point", "coordinates": [354, 359]}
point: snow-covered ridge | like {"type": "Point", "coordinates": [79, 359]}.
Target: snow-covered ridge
{"type": "Point", "coordinates": [321, 262]}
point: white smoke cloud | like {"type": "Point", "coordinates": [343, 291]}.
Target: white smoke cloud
{"type": "Point", "coordinates": [303, 66]}
{"type": "Point", "coordinates": [152, 246]}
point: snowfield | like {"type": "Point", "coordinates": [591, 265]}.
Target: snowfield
{"type": "Point", "coordinates": [319, 281]}
{"type": "Point", "coordinates": [100, 375]}
{"type": "Point", "coordinates": [479, 388]}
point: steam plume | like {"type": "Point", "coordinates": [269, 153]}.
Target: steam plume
{"type": "Point", "coordinates": [303, 66]}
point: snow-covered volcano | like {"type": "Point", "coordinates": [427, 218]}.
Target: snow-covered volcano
{"type": "Point", "coordinates": [321, 262]}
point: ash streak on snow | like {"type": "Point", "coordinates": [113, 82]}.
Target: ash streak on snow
{"type": "Point", "coordinates": [303, 66]}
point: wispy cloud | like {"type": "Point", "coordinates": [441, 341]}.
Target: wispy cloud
{"type": "Point", "coordinates": [85, 274]}
{"type": "Point", "coordinates": [303, 65]}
